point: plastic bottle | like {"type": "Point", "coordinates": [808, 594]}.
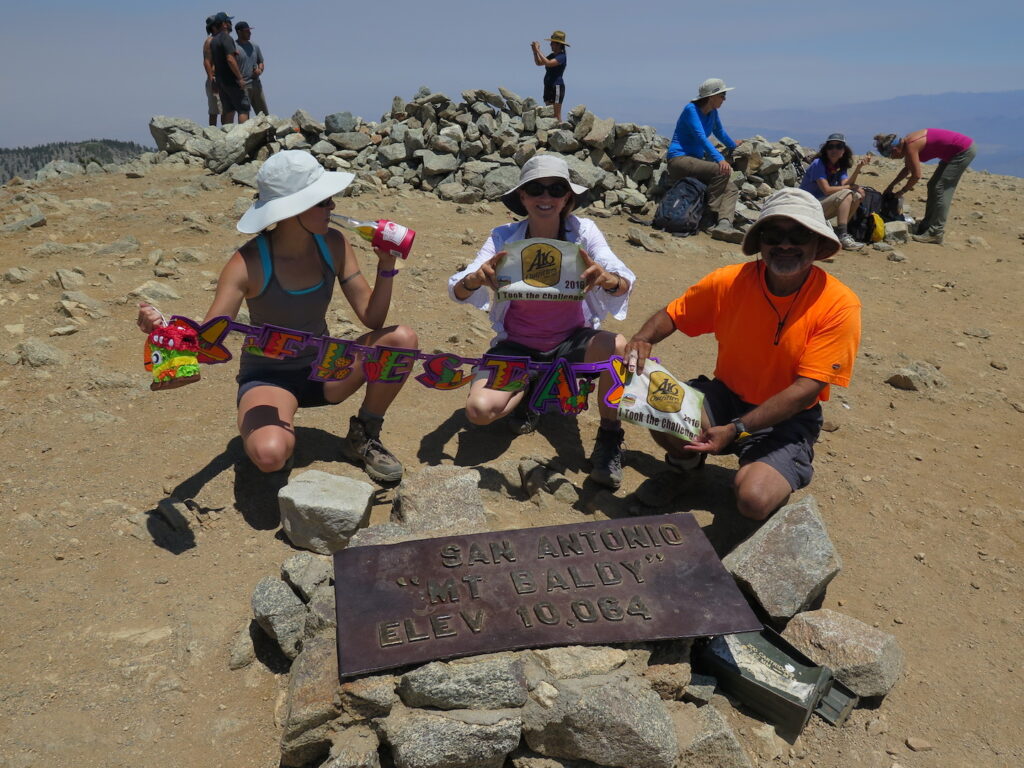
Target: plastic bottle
{"type": "Point", "coordinates": [383, 234]}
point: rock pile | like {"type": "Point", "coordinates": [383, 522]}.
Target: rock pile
{"type": "Point", "coordinates": [639, 705]}
{"type": "Point", "coordinates": [471, 150]}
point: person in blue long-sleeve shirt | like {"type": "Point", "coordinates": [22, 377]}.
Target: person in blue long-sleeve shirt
{"type": "Point", "coordinates": [692, 154]}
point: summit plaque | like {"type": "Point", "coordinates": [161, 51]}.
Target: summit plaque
{"type": "Point", "coordinates": [645, 578]}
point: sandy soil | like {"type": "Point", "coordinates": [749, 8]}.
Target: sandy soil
{"type": "Point", "coordinates": [115, 640]}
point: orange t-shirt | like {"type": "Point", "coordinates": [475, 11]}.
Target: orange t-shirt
{"type": "Point", "coordinates": [818, 339]}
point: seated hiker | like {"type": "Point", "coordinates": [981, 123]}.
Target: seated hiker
{"type": "Point", "coordinates": [954, 152]}
{"type": "Point", "coordinates": [547, 330]}
{"type": "Point", "coordinates": [692, 153]}
{"type": "Point", "coordinates": [826, 178]}
{"type": "Point", "coordinates": [786, 331]}
{"type": "Point", "coordinates": [286, 277]}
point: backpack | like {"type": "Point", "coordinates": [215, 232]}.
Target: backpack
{"type": "Point", "coordinates": [862, 225]}
{"type": "Point", "coordinates": [682, 207]}
{"type": "Point", "coordinates": [892, 207]}
{"type": "Point", "coordinates": [877, 230]}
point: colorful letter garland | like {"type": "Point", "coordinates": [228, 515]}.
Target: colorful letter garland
{"type": "Point", "coordinates": [559, 386]}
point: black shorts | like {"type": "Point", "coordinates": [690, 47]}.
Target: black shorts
{"type": "Point", "coordinates": [572, 349]}
{"type": "Point", "coordinates": [233, 98]}
{"type": "Point", "coordinates": [308, 392]}
{"type": "Point", "coordinates": [788, 447]}
{"type": "Point", "coordinates": [554, 94]}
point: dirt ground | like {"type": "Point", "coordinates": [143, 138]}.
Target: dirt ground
{"type": "Point", "coordinates": [115, 638]}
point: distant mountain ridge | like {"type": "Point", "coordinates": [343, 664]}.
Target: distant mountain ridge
{"type": "Point", "coordinates": [25, 161]}
{"type": "Point", "coordinates": [993, 120]}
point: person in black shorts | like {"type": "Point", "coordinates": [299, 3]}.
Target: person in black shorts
{"type": "Point", "coordinates": [230, 83]}
{"type": "Point", "coordinates": [554, 63]}
{"type": "Point", "coordinates": [286, 277]}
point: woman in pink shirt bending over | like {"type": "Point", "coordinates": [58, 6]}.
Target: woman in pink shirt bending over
{"type": "Point", "coordinates": [545, 331]}
{"type": "Point", "coordinates": [954, 152]}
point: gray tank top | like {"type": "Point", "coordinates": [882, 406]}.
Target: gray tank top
{"type": "Point", "coordinates": [303, 310]}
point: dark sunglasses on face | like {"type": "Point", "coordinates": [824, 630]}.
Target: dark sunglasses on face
{"type": "Point", "coordinates": [324, 203]}
{"type": "Point", "coordinates": [835, 146]}
{"type": "Point", "coordinates": [792, 235]}
{"type": "Point", "coordinates": [536, 189]}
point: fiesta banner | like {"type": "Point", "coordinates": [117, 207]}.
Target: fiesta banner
{"type": "Point", "coordinates": [173, 353]}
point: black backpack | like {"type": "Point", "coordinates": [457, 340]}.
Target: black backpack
{"type": "Point", "coordinates": [863, 224]}
{"type": "Point", "coordinates": [682, 207]}
{"type": "Point", "coordinates": [892, 208]}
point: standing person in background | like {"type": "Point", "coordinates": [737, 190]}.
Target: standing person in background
{"type": "Point", "coordinates": [827, 180]}
{"type": "Point", "coordinates": [250, 60]}
{"type": "Point", "coordinates": [554, 85]}
{"type": "Point", "coordinates": [954, 151]}
{"type": "Point", "coordinates": [212, 98]}
{"type": "Point", "coordinates": [230, 83]}
{"type": "Point", "coordinates": [691, 154]}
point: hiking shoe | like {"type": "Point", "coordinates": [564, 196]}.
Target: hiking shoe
{"type": "Point", "coordinates": [724, 230]}
{"type": "Point", "coordinates": [662, 489]}
{"type": "Point", "coordinates": [849, 244]}
{"type": "Point", "coordinates": [606, 459]}
{"type": "Point", "coordinates": [523, 420]}
{"type": "Point", "coordinates": [932, 239]}
{"type": "Point", "coordinates": [365, 448]}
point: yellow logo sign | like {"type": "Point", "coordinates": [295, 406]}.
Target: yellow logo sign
{"type": "Point", "coordinates": [542, 265]}
{"type": "Point", "coordinates": [664, 393]}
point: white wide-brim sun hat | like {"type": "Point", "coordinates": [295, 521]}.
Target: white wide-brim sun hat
{"type": "Point", "coordinates": [711, 87]}
{"type": "Point", "coordinates": [542, 167]}
{"type": "Point", "coordinates": [801, 207]}
{"type": "Point", "coordinates": [289, 183]}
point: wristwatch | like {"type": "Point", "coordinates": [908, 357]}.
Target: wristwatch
{"type": "Point", "coordinates": [741, 430]}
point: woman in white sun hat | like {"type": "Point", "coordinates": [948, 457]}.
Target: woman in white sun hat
{"type": "Point", "coordinates": [286, 277]}
{"type": "Point", "coordinates": [545, 331]}
{"type": "Point", "coordinates": [691, 154]}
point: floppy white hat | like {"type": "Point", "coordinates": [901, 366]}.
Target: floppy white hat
{"type": "Point", "coordinates": [541, 167]}
{"type": "Point", "coordinates": [801, 207]}
{"type": "Point", "coordinates": [711, 87]}
{"type": "Point", "coordinates": [289, 183]}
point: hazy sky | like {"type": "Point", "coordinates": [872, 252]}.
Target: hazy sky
{"type": "Point", "coordinates": [100, 69]}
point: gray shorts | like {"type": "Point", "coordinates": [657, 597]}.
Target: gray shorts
{"type": "Point", "coordinates": [788, 447]}
{"type": "Point", "coordinates": [212, 99]}
{"type": "Point", "coordinates": [308, 392]}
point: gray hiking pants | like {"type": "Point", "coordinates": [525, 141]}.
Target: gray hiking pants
{"type": "Point", "coordinates": [940, 192]}
{"type": "Point", "coordinates": [722, 193]}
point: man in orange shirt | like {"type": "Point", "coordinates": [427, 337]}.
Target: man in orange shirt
{"type": "Point", "coordinates": [786, 331]}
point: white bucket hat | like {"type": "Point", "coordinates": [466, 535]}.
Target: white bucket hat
{"type": "Point", "coordinates": [289, 183]}
{"type": "Point", "coordinates": [542, 167]}
{"type": "Point", "coordinates": [801, 207]}
{"type": "Point", "coordinates": [711, 87]}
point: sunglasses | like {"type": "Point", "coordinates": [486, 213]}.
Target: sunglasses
{"type": "Point", "coordinates": [324, 203]}
{"type": "Point", "coordinates": [835, 146]}
{"type": "Point", "coordinates": [792, 235]}
{"type": "Point", "coordinates": [536, 189]}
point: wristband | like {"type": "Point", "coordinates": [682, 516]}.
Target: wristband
{"type": "Point", "coordinates": [471, 290]}
{"type": "Point", "coordinates": [741, 431]}
{"type": "Point", "coordinates": [387, 272]}
{"type": "Point", "coordinates": [618, 284]}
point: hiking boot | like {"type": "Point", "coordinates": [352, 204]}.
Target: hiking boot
{"type": "Point", "coordinates": [849, 244]}
{"type": "Point", "coordinates": [932, 239]}
{"type": "Point", "coordinates": [522, 420]}
{"type": "Point", "coordinates": [724, 230]}
{"type": "Point", "coordinates": [606, 459]}
{"type": "Point", "coordinates": [662, 489]}
{"type": "Point", "coordinates": [363, 447]}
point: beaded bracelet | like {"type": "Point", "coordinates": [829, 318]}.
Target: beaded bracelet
{"type": "Point", "coordinates": [387, 272]}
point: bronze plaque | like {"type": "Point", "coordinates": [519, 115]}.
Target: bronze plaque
{"type": "Point", "coordinates": [643, 578]}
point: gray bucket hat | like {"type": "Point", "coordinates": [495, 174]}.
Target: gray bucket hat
{"type": "Point", "coordinates": [801, 207]}
{"type": "Point", "coordinates": [711, 87]}
{"type": "Point", "coordinates": [542, 167]}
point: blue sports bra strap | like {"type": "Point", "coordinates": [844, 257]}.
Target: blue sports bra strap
{"type": "Point", "coordinates": [325, 251]}
{"type": "Point", "coordinates": [265, 263]}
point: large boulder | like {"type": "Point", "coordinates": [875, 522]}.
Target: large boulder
{"type": "Point", "coordinates": [320, 511]}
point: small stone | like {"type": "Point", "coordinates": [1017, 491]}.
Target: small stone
{"type": "Point", "coordinates": [999, 365]}
{"type": "Point", "coordinates": [896, 256]}
{"type": "Point", "coordinates": [978, 333]}
{"type": "Point", "coordinates": [917, 744]}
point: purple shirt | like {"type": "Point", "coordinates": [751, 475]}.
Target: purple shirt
{"type": "Point", "coordinates": [943, 144]}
